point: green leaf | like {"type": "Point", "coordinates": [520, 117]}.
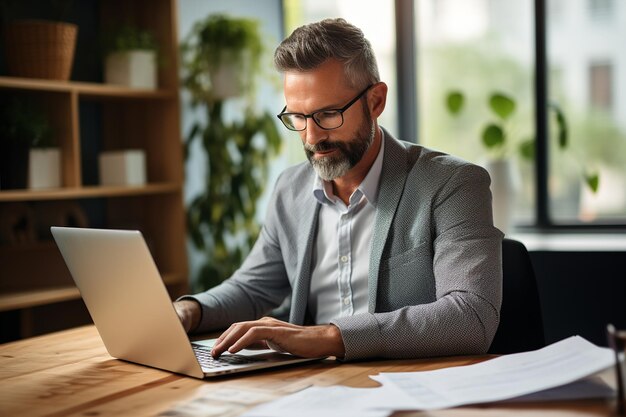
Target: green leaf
{"type": "Point", "coordinates": [195, 130]}
{"type": "Point", "coordinates": [502, 105]}
{"type": "Point", "coordinates": [127, 38]}
{"type": "Point", "coordinates": [561, 124]}
{"type": "Point", "coordinates": [493, 136]}
{"type": "Point", "coordinates": [593, 181]}
{"type": "Point", "coordinates": [454, 102]}
{"type": "Point", "coordinates": [527, 149]}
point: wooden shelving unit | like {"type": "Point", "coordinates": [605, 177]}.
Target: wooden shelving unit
{"type": "Point", "coordinates": [33, 273]}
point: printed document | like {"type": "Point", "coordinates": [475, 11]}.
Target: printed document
{"type": "Point", "coordinates": [502, 378]}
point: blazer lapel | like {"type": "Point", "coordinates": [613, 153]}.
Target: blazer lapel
{"type": "Point", "coordinates": [392, 179]}
{"type": "Point", "coordinates": [308, 209]}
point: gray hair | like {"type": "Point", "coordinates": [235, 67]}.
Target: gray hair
{"type": "Point", "coordinates": [311, 45]}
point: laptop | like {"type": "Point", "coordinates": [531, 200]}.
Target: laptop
{"type": "Point", "coordinates": [129, 304]}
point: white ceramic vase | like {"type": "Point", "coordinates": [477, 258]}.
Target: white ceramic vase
{"type": "Point", "coordinates": [127, 167]}
{"type": "Point", "coordinates": [134, 69]}
{"type": "Point", "coordinates": [44, 168]}
{"type": "Point", "coordinates": [504, 188]}
{"type": "Point", "coordinates": [228, 78]}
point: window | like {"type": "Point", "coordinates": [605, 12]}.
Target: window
{"type": "Point", "coordinates": [482, 46]}
{"type": "Point", "coordinates": [585, 80]}
{"type": "Point", "coordinates": [478, 47]}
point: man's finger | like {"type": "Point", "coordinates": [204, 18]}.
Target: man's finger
{"type": "Point", "coordinates": [273, 334]}
{"type": "Point", "coordinates": [230, 336]}
{"type": "Point", "coordinates": [237, 330]}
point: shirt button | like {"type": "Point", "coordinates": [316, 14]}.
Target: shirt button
{"type": "Point", "coordinates": [344, 259]}
{"type": "Point", "coordinates": [346, 301]}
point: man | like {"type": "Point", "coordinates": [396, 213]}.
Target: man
{"type": "Point", "coordinates": [387, 247]}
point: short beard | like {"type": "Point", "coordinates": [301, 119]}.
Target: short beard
{"type": "Point", "coordinates": [349, 153]}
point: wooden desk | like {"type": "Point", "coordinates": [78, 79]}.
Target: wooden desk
{"type": "Point", "coordinates": [70, 373]}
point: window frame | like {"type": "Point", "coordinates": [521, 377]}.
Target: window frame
{"type": "Point", "coordinates": [543, 219]}
{"type": "Point", "coordinates": [406, 45]}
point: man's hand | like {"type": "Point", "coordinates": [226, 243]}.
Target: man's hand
{"type": "Point", "coordinates": [189, 312]}
{"type": "Point", "coordinates": [305, 341]}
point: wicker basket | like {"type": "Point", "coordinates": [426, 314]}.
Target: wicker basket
{"type": "Point", "coordinates": [40, 49]}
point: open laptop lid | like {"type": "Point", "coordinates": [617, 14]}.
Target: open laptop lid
{"type": "Point", "coordinates": [125, 295]}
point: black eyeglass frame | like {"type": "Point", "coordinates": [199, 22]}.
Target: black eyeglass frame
{"type": "Point", "coordinates": [312, 115]}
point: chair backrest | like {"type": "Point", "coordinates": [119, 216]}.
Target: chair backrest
{"type": "Point", "coordinates": [521, 324]}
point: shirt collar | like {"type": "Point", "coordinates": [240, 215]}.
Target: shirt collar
{"type": "Point", "coordinates": [323, 190]}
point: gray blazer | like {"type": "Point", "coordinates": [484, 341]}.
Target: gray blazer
{"type": "Point", "coordinates": [435, 274]}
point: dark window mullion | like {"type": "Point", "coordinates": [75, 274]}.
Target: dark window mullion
{"type": "Point", "coordinates": [406, 70]}
{"type": "Point", "coordinates": [543, 219]}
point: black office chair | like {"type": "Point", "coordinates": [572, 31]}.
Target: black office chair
{"type": "Point", "coordinates": [521, 325]}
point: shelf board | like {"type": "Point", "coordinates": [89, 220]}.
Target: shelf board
{"type": "Point", "coordinates": [86, 89]}
{"type": "Point", "coordinates": [42, 296]}
{"type": "Point", "coordinates": [96, 191]}
{"type": "Point", "coordinates": [33, 298]}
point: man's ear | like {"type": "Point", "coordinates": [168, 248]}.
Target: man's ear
{"type": "Point", "coordinates": [377, 99]}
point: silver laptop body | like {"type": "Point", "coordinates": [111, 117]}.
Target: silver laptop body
{"type": "Point", "coordinates": [129, 304]}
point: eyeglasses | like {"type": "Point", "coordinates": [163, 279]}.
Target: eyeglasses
{"type": "Point", "coordinates": [328, 119]}
{"type": "Point", "coordinates": [617, 342]}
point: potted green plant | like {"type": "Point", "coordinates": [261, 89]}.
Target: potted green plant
{"type": "Point", "coordinates": [130, 57]}
{"type": "Point", "coordinates": [229, 50]}
{"type": "Point", "coordinates": [36, 48]}
{"type": "Point", "coordinates": [27, 154]}
{"type": "Point", "coordinates": [501, 145]}
{"type": "Point", "coordinates": [221, 219]}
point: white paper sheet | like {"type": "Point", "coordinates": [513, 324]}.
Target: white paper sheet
{"type": "Point", "coordinates": [504, 377]}
{"type": "Point", "coordinates": [334, 401]}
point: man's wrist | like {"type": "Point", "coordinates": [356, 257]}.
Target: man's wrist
{"type": "Point", "coordinates": [336, 345]}
{"type": "Point", "coordinates": [192, 313]}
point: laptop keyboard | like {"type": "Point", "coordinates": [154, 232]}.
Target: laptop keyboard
{"type": "Point", "coordinates": [207, 361]}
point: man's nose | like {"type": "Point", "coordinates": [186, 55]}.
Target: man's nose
{"type": "Point", "coordinates": [314, 134]}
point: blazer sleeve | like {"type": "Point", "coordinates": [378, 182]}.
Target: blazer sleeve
{"type": "Point", "coordinates": [257, 287]}
{"type": "Point", "coordinates": [467, 271]}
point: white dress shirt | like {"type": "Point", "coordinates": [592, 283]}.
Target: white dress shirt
{"type": "Point", "coordinates": [341, 253]}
